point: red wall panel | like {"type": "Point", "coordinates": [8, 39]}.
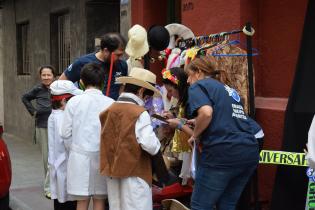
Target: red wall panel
{"type": "Point", "coordinates": [206, 17]}
{"type": "Point", "coordinates": [280, 28]}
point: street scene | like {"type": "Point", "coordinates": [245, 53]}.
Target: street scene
{"type": "Point", "coordinates": [157, 105]}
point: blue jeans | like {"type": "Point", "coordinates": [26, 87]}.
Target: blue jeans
{"type": "Point", "coordinates": [220, 187]}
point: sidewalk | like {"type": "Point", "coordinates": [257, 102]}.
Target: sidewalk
{"type": "Point", "coordinates": [26, 191]}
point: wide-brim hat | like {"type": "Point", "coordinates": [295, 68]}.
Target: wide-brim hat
{"type": "Point", "coordinates": [61, 87]}
{"type": "Point", "coordinates": [179, 30]}
{"type": "Point", "coordinates": [142, 78]}
{"type": "Point", "coordinates": [137, 45]}
{"type": "Point", "coordinates": [158, 37]}
{"type": "Point", "coordinates": [172, 204]}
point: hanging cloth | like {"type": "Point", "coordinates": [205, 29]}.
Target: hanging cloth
{"type": "Point", "coordinates": [235, 67]}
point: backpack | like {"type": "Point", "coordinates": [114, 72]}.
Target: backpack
{"type": "Point", "coordinates": [5, 167]}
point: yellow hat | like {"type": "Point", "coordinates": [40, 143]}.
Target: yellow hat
{"type": "Point", "coordinates": [137, 45]}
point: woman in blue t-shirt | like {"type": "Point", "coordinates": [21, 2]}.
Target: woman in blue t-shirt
{"type": "Point", "coordinates": [229, 149]}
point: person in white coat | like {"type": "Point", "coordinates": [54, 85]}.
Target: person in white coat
{"type": "Point", "coordinates": [128, 142]}
{"type": "Point", "coordinates": [81, 122]}
{"type": "Point", "coordinates": [311, 145]}
{"type": "Point", "coordinates": [61, 91]}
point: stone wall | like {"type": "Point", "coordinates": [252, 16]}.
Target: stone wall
{"type": "Point", "coordinates": [16, 119]}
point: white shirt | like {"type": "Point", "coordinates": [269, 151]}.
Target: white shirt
{"type": "Point", "coordinates": [81, 119]}
{"type": "Point", "coordinates": [57, 157]}
{"type": "Point", "coordinates": [143, 129]}
{"type": "Point", "coordinates": [311, 145]}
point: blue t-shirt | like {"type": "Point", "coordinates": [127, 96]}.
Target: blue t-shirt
{"type": "Point", "coordinates": [228, 140]}
{"type": "Point", "coordinates": [120, 69]}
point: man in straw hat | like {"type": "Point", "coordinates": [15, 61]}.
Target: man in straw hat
{"type": "Point", "coordinates": [128, 142]}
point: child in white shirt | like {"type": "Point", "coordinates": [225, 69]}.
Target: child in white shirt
{"type": "Point", "coordinates": [61, 91]}
{"type": "Point", "coordinates": [81, 122]}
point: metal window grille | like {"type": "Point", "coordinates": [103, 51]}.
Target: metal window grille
{"type": "Point", "coordinates": [23, 53]}
{"type": "Point", "coordinates": [60, 41]}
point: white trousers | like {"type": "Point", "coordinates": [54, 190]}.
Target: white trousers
{"type": "Point", "coordinates": [132, 193]}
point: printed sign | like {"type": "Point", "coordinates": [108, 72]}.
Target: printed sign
{"type": "Point", "coordinates": [282, 158]}
{"type": "Point", "coordinates": [292, 159]}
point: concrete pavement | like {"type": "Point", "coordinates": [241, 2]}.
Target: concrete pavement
{"type": "Point", "coordinates": [26, 191]}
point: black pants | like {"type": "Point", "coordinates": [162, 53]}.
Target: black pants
{"type": "Point", "coordinates": [69, 205]}
{"type": "Point", "coordinates": [4, 202]}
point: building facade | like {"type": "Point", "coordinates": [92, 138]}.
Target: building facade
{"type": "Point", "coordinates": [38, 32]}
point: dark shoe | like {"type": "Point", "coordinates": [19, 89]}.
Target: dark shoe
{"type": "Point", "coordinates": [172, 179]}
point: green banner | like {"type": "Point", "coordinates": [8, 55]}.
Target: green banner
{"type": "Point", "coordinates": [282, 158]}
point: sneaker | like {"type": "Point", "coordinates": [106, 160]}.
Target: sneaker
{"type": "Point", "coordinates": [48, 195]}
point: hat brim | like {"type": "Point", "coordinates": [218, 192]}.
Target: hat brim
{"type": "Point", "coordinates": [138, 82]}
{"type": "Point", "coordinates": [137, 52]}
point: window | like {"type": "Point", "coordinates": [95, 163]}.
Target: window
{"type": "Point", "coordinates": [174, 11]}
{"type": "Point", "coordinates": [60, 41]}
{"type": "Point", "coordinates": [96, 12]}
{"type": "Point", "coordinates": [23, 52]}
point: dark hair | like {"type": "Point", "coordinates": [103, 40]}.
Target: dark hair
{"type": "Point", "coordinates": [57, 104]}
{"type": "Point", "coordinates": [92, 75]}
{"type": "Point", "coordinates": [182, 86]}
{"type": "Point", "coordinates": [113, 41]}
{"type": "Point", "coordinates": [40, 69]}
{"type": "Point", "coordinates": [130, 88]}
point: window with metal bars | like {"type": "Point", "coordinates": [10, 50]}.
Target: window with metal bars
{"type": "Point", "coordinates": [60, 40]}
{"type": "Point", "coordinates": [22, 45]}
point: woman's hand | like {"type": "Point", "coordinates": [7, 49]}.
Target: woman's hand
{"type": "Point", "coordinates": [191, 122]}
{"type": "Point", "coordinates": [168, 114]}
{"type": "Point", "coordinates": [191, 141]}
{"type": "Point", "coordinates": [173, 123]}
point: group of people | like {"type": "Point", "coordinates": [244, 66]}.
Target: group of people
{"type": "Point", "coordinates": [102, 147]}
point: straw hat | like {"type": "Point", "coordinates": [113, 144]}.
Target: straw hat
{"type": "Point", "coordinates": [172, 204]}
{"type": "Point", "coordinates": [60, 87]}
{"type": "Point", "coordinates": [140, 77]}
{"type": "Point", "coordinates": [137, 45]}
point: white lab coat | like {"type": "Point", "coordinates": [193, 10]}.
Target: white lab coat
{"type": "Point", "coordinates": [81, 122]}
{"type": "Point", "coordinates": [57, 158]}
{"type": "Point", "coordinates": [133, 193]}
{"type": "Point", "coordinates": [311, 145]}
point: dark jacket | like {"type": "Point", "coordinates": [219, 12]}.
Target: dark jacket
{"type": "Point", "coordinates": [43, 105]}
